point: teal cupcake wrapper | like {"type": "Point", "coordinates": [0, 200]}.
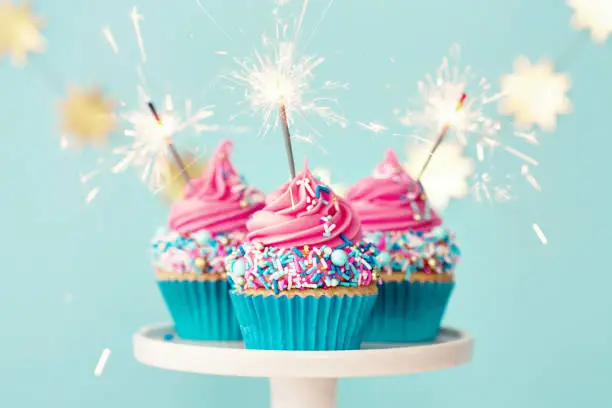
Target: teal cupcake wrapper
{"type": "Point", "coordinates": [302, 323]}
{"type": "Point", "coordinates": [408, 312]}
{"type": "Point", "coordinates": [201, 310]}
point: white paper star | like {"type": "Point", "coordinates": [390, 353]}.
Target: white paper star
{"type": "Point", "coordinates": [593, 15]}
{"type": "Point", "coordinates": [535, 94]}
{"type": "Point", "coordinates": [325, 176]}
{"type": "Point", "coordinates": [19, 31]}
{"type": "Point", "coordinates": [447, 172]}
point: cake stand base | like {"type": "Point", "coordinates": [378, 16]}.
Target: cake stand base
{"type": "Point", "coordinates": [299, 379]}
{"type": "Point", "coordinates": [303, 392]}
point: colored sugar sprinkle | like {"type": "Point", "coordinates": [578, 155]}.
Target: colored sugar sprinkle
{"type": "Point", "coordinates": [195, 253]}
{"type": "Point", "coordinates": [281, 269]}
{"type": "Point", "coordinates": [431, 252]}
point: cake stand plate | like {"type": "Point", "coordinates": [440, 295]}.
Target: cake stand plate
{"type": "Point", "coordinates": [299, 379]}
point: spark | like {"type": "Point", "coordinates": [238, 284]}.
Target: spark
{"type": "Point", "coordinates": [530, 178]}
{"type": "Point", "coordinates": [540, 234]}
{"type": "Point", "coordinates": [212, 20]}
{"type": "Point", "coordinates": [277, 75]}
{"type": "Point", "coordinates": [92, 194]}
{"type": "Point", "coordinates": [110, 39]}
{"type": "Point", "coordinates": [136, 19]}
{"type": "Point", "coordinates": [102, 362]}
{"type": "Point", "coordinates": [373, 127]}
{"type": "Point", "coordinates": [64, 142]}
{"type": "Point", "coordinates": [484, 189]}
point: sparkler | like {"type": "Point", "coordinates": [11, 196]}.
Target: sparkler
{"type": "Point", "coordinates": [441, 137]}
{"type": "Point", "coordinates": [171, 148]}
{"type": "Point", "coordinates": [278, 86]}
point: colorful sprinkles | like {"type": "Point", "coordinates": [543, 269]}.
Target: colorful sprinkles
{"type": "Point", "coordinates": [195, 253]}
{"type": "Point", "coordinates": [254, 266]}
{"type": "Point", "coordinates": [430, 252]}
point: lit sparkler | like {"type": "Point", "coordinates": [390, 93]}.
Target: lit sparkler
{"type": "Point", "coordinates": [471, 125]}
{"type": "Point", "coordinates": [278, 86]}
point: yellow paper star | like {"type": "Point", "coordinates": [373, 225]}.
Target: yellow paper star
{"type": "Point", "coordinates": [19, 31]}
{"type": "Point", "coordinates": [175, 187]}
{"type": "Point", "coordinates": [87, 116]}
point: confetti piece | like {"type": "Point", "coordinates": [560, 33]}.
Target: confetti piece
{"type": "Point", "coordinates": [540, 234]}
{"type": "Point", "coordinates": [221, 52]}
{"type": "Point", "coordinates": [102, 362]}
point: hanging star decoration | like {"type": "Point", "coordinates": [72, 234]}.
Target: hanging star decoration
{"type": "Point", "coordinates": [19, 32]}
{"type": "Point", "coordinates": [87, 116]}
{"type": "Point", "coordinates": [175, 187]}
{"type": "Point", "coordinates": [593, 15]}
{"type": "Point", "coordinates": [535, 94]}
{"type": "Point", "coordinates": [447, 174]}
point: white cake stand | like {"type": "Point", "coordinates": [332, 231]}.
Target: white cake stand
{"type": "Point", "coordinates": [299, 379]}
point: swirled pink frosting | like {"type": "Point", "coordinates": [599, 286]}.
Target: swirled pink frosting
{"type": "Point", "coordinates": [390, 200]}
{"type": "Point", "coordinates": [218, 201]}
{"type": "Point", "coordinates": [304, 212]}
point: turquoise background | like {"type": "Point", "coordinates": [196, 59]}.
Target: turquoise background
{"type": "Point", "coordinates": [77, 278]}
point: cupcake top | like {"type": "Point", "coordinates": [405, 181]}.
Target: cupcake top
{"type": "Point", "coordinates": [304, 212]}
{"type": "Point", "coordinates": [391, 200]}
{"type": "Point", "coordinates": [219, 201]}
{"type": "Point", "coordinates": [304, 238]}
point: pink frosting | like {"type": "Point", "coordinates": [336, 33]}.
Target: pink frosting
{"type": "Point", "coordinates": [294, 216]}
{"type": "Point", "coordinates": [390, 200]}
{"type": "Point", "coordinates": [218, 201]}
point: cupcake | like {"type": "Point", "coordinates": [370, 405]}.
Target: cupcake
{"type": "Point", "coordinates": [303, 280]}
{"type": "Point", "coordinates": [205, 227]}
{"type": "Point", "coordinates": [416, 255]}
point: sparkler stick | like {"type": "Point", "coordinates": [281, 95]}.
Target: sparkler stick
{"type": "Point", "coordinates": [173, 152]}
{"type": "Point", "coordinates": [441, 137]}
{"type": "Point", "coordinates": [287, 136]}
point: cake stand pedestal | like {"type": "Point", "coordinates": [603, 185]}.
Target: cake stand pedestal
{"type": "Point", "coordinates": [299, 379]}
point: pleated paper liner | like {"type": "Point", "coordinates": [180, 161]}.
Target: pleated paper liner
{"type": "Point", "coordinates": [309, 323]}
{"type": "Point", "coordinates": [408, 312]}
{"type": "Point", "coordinates": [201, 310]}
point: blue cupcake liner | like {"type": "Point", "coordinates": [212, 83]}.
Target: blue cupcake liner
{"type": "Point", "coordinates": [201, 310]}
{"type": "Point", "coordinates": [408, 312]}
{"type": "Point", "coordinates": [302, 323]}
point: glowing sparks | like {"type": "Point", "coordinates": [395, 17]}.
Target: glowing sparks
{"type": "Point", "coordinates": [373, 127]}
{"type": "Point", "coordinates": [148, 151]}
{"type": "Point", "coordinates": [136, 19]}
{"type": "Point", "coordinates": [485, 188]}
{"type": "Point", "coordinates": [538, 231]}
{"type": "Point", "coordinates": [108, 34]}
{"type": "Point", "coordinates": [102, 362]}
{"type": "Point", "coordinates": [438, 104]}
{"type": "Point", "coordinates": [530, 178]}
{"type": "Point", "coordinates": [277, 75]}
